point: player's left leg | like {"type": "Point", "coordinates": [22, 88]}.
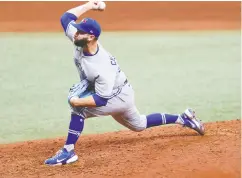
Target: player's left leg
{"type": "Point", "coordinates": [67, 155]}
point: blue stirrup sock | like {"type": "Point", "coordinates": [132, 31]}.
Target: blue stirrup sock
{"type": "Point", "coordinates": [157, 119]}
{"type": "Point", "coordinates": [75, 129]}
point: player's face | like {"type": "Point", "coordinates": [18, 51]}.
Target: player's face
{"type": "Point", "coordinates": [81, 39]}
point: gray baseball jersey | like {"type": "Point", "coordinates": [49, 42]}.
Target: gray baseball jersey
{"type": "Point", "coordinates": [100, 69]}
{"type": "Point", "coordinates": [103, 71]}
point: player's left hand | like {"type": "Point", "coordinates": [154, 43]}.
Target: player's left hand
{"type": "Point", "coordinates": [78, 89]}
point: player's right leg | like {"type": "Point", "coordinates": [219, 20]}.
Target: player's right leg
{"type": "Point", "coordinates": [130, 117]}
{"type": "Point", "coordinates": [136, 122]}
{"type": "Point", "coordinates": [186, 119]}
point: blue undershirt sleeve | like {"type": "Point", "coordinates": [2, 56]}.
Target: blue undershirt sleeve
{"type": "Point", "coordinates": [99, 100]}
{"type": "Point", "coordinates": [66, 18]}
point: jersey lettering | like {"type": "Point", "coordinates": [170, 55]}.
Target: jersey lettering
{"type": "Point", "coordinates": [114, 62]}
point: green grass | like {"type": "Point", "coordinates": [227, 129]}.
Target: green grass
{"type": "Point", "coordinates": [168, 70]}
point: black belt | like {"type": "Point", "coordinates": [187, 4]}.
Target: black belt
{"type": "Point", "coordinates": [125, 82]}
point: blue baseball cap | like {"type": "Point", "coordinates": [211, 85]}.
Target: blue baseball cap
{"type": "Point", "coordinates": [89, 26]}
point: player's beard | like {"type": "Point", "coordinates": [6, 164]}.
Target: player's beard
{"type": "Point", "coordinates": [81, 43]}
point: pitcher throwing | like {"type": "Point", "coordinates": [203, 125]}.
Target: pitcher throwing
{"type": "Point", "coordinates": [103, 88]}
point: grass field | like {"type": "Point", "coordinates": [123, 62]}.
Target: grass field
{"type": "Point", "coordinates": [168, 70]}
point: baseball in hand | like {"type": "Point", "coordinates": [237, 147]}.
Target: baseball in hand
{"type": "Point", "coordinates": [102, 5]}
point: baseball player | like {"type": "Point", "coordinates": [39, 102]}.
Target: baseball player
{"type": "Point", "coordinates": [103, 88]}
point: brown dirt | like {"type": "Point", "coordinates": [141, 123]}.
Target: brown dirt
{"type": "Point", "coordinates": [170, 151]}
{"type": "Point", "coordinates": [45, 16]}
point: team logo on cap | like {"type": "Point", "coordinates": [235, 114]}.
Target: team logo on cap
{"type": "Point", "coordinates": [84, 20]}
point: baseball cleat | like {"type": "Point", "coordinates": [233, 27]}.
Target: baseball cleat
{"type": "Point", "coordinates": [62, 157]}
{"type": "Point", "coordinates": [192, 122]}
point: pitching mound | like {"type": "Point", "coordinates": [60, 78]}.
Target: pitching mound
{"type": "Point", "coordinates": [170, 151]}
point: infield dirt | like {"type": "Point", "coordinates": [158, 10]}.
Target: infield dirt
{"type": "Point", "coordinates": [168, 152]}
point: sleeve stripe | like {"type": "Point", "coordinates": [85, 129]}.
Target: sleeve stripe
{"type": "Point", "coordinates": [111, 96]}
{"type": "Point", "coordinates": [67, 28]}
